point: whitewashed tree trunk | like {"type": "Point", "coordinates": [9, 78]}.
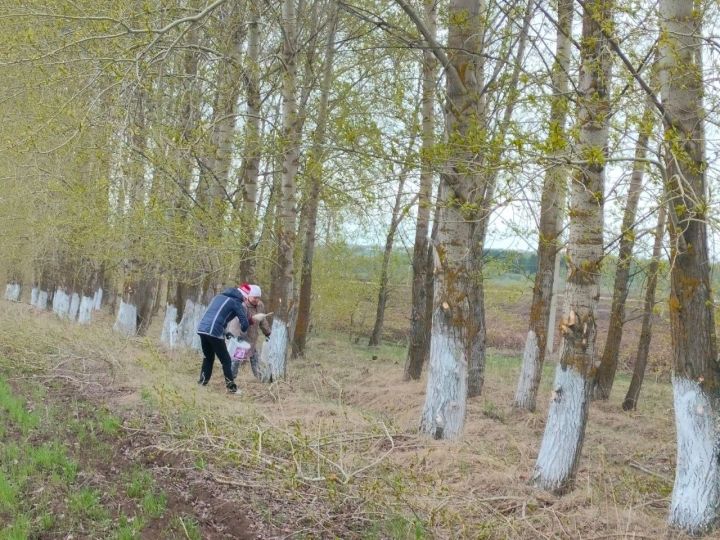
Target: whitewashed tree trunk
{"type": "Point", "coordinates": [696, 492]}
{"type": "Point", "coordinates": [85, 310]}
{"type": "Point", "coordinates": [551, 212]}
{"type": "Point", "coordinates": [285, 308]}
{"type": "Point", "coordinates": [187, 328]}
{"type": "Point", "coordinates": [74, 306]}
{"type": "Point", "coordinates": [695, 506]}
{"type": "Point", "coordinates": [170, 330]}
{"type": "Point", "coordinates": [272, 363]}
{"type": "Point", "coordinates": [42, 299]}
{"type": "Point", "coordinates": [34, 292]}
{"type": "Point", "coordinates": [443, 415]}
{"type": "Point", "coordinates": [61, 303]}
{"type": "Point", "coordinates": [565, 429]}
{"type": "Point", "coordinates": [454, 324]}
{"type": "Point", "coordinates": [97, 299]}
{"type": "Point", "coordinates": [126, 321]}
{"type": "Point", "coordinates": [12, 292]}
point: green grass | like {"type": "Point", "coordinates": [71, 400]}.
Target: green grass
{"type": "Point", "coordinates": [48, 487]}
{"type": "Point", "coordinates": [22, 419]}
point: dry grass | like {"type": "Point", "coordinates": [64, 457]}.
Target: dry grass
{"type": "Point", "coordinates": [334, 451]}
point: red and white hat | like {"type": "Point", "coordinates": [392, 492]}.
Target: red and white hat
{"type": "Point", "coordinates": [255, 291]}
{"type": "Point", "coordinates": [245, 289]}
{"type": "Point", "coordinates": [250, 290]}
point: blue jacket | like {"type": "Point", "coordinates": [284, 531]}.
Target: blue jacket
{"type": "Point", "coordinates": [222, 309]}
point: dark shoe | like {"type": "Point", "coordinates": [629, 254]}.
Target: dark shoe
{"type": "Point", "coordinates": [202, 381]}
{"type": "Point", "coordinates": [232, 388]}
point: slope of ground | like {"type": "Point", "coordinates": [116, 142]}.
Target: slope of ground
{"type": "Point", "coordinates": [332, 452]}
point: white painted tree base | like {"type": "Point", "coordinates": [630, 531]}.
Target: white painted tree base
{"type": "Point", "coordinates": [85, 311]}
{"type": "Point", "coordinates": [169, 334]}
{"type": "Point", "coordinates": [74, 306]}
{"type": "Point", "coordinates": [126, 322]}
{"type": "Point", "coordinates": [61, 303]}
{"type": "Point", "coordinates": [273, 357]}
{"type": "Point", "coordinates": [187, 329]}
{"type": "Point", "coordinates": [42, 300]}
{"type": "Point", "coordinates": [564, 431]}
{"type": "Point", "coordinates": [34, 296]}
{"type": "Point", "coordinates": [12, 292]}
{"type": "Point", "coordinates": [97, 299]}
{"type": "Point", "coordinates": [443, 415]}
{"type": "Point", "coordinates": [525, 394]}
{"type": "Point", "coordinates": [695, 505]}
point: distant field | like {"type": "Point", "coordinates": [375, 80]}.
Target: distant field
{"type": "Point", "coordinates": [507, 305]}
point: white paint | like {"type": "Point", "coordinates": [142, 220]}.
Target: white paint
{"type": "Point", "coordinates": [85, 310]}
{"type": "Point", "coordinates": [34, 296]}
{"type": "Point", "coordinates": [273, 358]}
{"type": "Point", "coordinates": [61, 303]}
{"type": "Point", "coordinates": [525, 393]}
{"type": "Point", "coordinates": [564, 431]}
{"type": "Point", "coordinates": [695, 504]}
{"type": "Point", "coordinates": [126, 322]}
{"type": "Point", "coordinates": [42, 300]}
{"type": "Point", "coordinates": [74, 306]}
{"type": "Point", "coordinates": [97, 300]}
{"type": "Point", "coordinates": [12, 292]}
{"type": "Point", "coordinates": [169, 334]}
{"type": "Point", "coordinates": [187, 329]}
{"type": "Point", "coordinates": [443, 415]}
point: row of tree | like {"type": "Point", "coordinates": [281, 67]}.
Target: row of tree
{"type": "Point", "coordinates": [159, 152]}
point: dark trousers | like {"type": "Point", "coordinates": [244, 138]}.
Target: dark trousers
{"type": "Point", "coordinates": [212, 347]}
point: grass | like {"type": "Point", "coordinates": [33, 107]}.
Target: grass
{"type": "Point", "coordinates": [334, 450]}
{"type": "Point", "coordinates": [46, 484]}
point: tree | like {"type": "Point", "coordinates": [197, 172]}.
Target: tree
{"type": "Point", "coordinates": [551, 210]}
{"type": "Point", "coordinates": [418, 343]}
{"type": "Point", "coordinates": [285, 309]}
{"type": "Point", "coordinates": [314, 171]}
{"type": "Point", "coordinates": [562, 441]}
{"type": "Point", "coordinates": [695, 502]}
{"type": "Point", "coordinates": [605, 374]}
{"type": "Point", "coordinates": [633, 393]}
{"type": "Point", "coordinates": [443, 414]}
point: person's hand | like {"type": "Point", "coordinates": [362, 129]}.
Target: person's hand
{"type": "Point", "coordinates": [260, 317]}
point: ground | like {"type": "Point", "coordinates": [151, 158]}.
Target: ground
{"type": "Point", "coordinates": [107, 437]}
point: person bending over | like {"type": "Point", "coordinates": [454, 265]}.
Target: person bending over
{"type": "Point", "coordinates": [225, 306]}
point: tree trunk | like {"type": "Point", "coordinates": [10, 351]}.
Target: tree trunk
{"type": "Point", "coordinates": [420, 315]}
{"type": "Point", "coordinates": [396, 218]}
{"type": "Point", "coordinates": [314, 171]}
{"type": "Point", "coordinates": [283, 321]}
{"type": "Point", "coordinates": [695, 502]}
{"type": "Point", "coordinates": [250, 169]}
{"type": "Point", "coordinates": [443, 414]}
{"type": "Point", "coordinates": [12, 291]}
{"type": "Point", "coordinates": [608, 365]}
{"type": "Point", "coordinates": [633, 393]}
{"type": "Point", "coordinates": [551, 210]}
{"type": "Point", "coordinates": [562, 442]}
{"type": "Point", "coordinates": [485, 201]}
